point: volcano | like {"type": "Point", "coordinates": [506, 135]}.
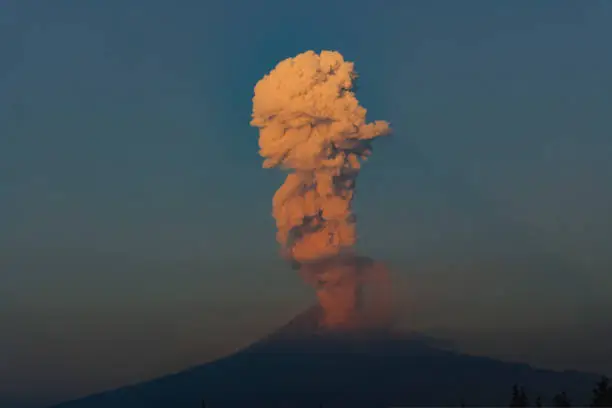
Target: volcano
{"type": "Point", "coordinates": [301, 365]}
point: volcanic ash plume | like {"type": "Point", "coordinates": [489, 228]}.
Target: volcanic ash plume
{"type": "Point", "coordinates": [311, 123]}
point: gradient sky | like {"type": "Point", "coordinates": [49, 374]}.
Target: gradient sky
{"type": "Point", "coordinates": [136, 232]}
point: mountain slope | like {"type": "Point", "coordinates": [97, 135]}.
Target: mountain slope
{"type": "Point", "coordinates": [299, 366]}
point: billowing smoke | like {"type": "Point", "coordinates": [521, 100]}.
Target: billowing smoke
{"type": "Point", "coordinates": [311, 123]}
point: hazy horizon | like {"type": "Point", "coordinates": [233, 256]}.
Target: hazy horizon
{"type": "Point", "coordinates": [137, 233]}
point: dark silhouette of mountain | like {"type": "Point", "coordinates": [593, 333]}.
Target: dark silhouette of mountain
{"type": "Point", "coordinates": [302, 366]}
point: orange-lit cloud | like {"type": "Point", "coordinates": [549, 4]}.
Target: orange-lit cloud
{"type": "Point", "coordinates": [311, 123]}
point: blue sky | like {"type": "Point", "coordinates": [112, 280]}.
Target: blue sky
{"type": "Point", "coordinates": [133, 204]}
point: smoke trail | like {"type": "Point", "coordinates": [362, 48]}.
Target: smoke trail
{"type": "Point", "coordinates": [311, 123]}
{"type": "Point", "coordinates": [353, 291]}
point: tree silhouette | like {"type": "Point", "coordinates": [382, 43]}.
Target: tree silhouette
{"type": "Point", "coordinates": [561, 400]}
{"type": "Point", "coordinates": [538, 401]}
{"type": "Point", "coordinates": [602, 394]}
{"type": "Point", "coordinates": [519, 397]}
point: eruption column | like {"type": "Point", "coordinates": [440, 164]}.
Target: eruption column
{"type": "Point", "coordinates": [311, 124]}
